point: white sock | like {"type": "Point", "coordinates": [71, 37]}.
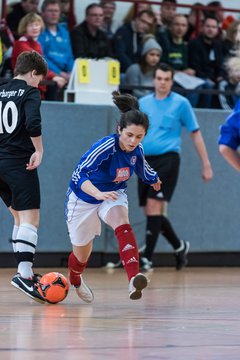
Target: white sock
{"type": "Point", "coordinates": [25, 269]}
{"type": "Point", "coordinates": [27, 233]}
{"type": "Point", "coordinates": [14, 236]}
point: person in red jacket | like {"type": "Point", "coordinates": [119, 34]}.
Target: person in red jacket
{"type": "Point", "coordinates": [29, 29]}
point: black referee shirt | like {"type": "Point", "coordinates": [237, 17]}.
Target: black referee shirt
{"type": "Point", "coordinates": [20, 119]}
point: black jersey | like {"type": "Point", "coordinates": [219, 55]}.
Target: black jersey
{"type": "Point", "coordinates": [20, 119]}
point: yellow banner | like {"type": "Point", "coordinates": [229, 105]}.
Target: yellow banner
{"type": "Point", "coordinates": [83, 71]}
{"type": "Point", "coordinates": [113, 72]}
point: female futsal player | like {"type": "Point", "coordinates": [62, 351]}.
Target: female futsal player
{"type": "Point", "coordinates": [98, 191]}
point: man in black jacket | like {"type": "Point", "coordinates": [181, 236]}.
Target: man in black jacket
{"type": "Point", "coordinates": [127, 42]}
{"type": "Point", "coordinates": [87, 39]}
{"type": "Point", "coordinates": [205, 56]}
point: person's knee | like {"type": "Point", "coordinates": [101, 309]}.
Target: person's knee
{"type": "Point", "coordinates": [154, 207]}
{"type": "Point", "coordinates": [30, 217]}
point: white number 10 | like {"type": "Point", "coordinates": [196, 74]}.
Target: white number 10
{"type": "Point", "coordinates": [8, 123]}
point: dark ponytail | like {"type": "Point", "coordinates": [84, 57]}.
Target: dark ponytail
{"type": "Point", "coordinates": [129, 107]}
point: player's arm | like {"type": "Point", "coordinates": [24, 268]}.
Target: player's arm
{"type": "Point", "coordinates": [36, 158]}
{"type": "Point", "coordinates": [88, 187]}
{"type": "Point", "coordinates": [200, 147]}
{"type": "Point", "coordinates": [231, 156]}
{"type": "Point", "coordinates": [229, 140]}
{"type": "Point", "coordinates": [145, 172]}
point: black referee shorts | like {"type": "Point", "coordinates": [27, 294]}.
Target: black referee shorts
{"type": "Point", "coordinates": [19, 188]}
{"type": "Point", "coordinates": [167, 166]}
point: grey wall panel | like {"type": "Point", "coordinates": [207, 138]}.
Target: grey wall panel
{"type": "Point", "coordinates": [204, 214]}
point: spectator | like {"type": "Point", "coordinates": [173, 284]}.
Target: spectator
{"type": "Point", "coordinates": [135, 9]}
{"type": "Point", "coordinates": [175, 51]}
{"type": "Point", "coordinates": [195, 21]}
{"type": "Point", "coordinates": [231, 83]}
{"type": "Point", "coordinates": [216, 11]}
{"type": "Point", "coordinates": [55, 40]}
{"type": "Point", "coordinates": [206, 57]}
{"type": "Point", "coordinates": [87, 39]}
{"type": "Point", "coordinates": [110, 24]}
{"type": "Point", "coordinates": [6, 71]}
{"type": "Point", "coordinates": [231, 43]}
{"type": "Point", "coordinates": [141, 74]}
{"type": "Point", "coordinates": [127, 42]}
{"type": "Point", "coordinates": [168, 10]}
{"type": "Point", "coordinates": [66, 17]}
{"type": "Point", "coordinates": [18, 11]}
{"type": "Point", "coordinates": [29, 29]}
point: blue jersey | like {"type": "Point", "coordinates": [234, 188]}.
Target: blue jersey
{"type": "Point", "coordinates": [167, 117]}
{"type": "Point", "coordinates": [108, 167]}
{"type": "Point", "coordinates": [230, 130]}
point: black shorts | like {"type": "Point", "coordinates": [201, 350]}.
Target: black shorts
{"type": "Point", "coordinates": [167, 166]}
{"type": "Point", "coordinates": [19, 188]}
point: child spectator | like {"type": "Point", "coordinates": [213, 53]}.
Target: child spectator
{"type": "Point", "coordinates": [141, 73]}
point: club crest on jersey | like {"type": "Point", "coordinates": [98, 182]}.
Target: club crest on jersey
{"type": "Point", "coordinates": [133, 160]}
{"type": "Point", "coordinates": [122, 174]}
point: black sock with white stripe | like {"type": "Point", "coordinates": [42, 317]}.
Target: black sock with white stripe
{"type": "Point", "coordinates": [25, 249]}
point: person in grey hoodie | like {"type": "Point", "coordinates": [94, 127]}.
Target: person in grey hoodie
{"type": "Point", "coordinates": [141, 73]}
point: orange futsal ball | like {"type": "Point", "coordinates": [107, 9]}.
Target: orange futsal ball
{"type": "Point", "coordinates": [54, 286]}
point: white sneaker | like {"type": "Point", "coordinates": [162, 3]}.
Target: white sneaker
{"type": "Point", "coordinates": [136, 285]}
{"type": "Point", "coordinates": [84, 292]}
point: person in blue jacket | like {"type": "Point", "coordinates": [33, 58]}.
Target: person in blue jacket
{"type": "Point", "coordinates": [229, 139]}
{"type": "Point", "coordinates": [55, 40]}
{"type": "Point", "coordinates": [98, 191]}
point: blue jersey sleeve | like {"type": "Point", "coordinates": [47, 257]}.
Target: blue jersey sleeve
{"type": "Point", "coordinates": [92, 159]}
{"type": "Point", "coordinates": [230, 131]}
{"type": "Point", "coordinates": [188, 117]}
{"type": "Point", "coordinates": [144, 170]}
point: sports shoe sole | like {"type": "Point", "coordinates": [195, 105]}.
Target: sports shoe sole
{"type": "Point", "coordinates": [139, 282]}
{"type": "Point", "coordinates": [29, 295]}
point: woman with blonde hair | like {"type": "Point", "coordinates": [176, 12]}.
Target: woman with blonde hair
{"type": "Point", "coordinates": [30, 27]}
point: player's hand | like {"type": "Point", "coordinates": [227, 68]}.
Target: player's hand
{"type": "Point", "coordinates": [34, 161]}
{"type": "Point", "coordinates": [207, 173]}
{"type": "Point", "coordinates": [113, 195]}
{"type": "Point", "coordinates": [157, 185]}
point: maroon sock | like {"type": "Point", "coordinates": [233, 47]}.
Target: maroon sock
{"type": "Point", "coordinates": [75, 269]}
{"type": "Point", "coordinates": [128, 249]}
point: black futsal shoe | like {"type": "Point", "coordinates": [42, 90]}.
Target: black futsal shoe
{"type": "Point", "coordinates": [181, 255]}
{"type": "Point", "coordinates": [28, 286]}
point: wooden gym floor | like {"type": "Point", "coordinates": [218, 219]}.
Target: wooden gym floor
{"type": "Point", "coordinates": [193, 314]}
